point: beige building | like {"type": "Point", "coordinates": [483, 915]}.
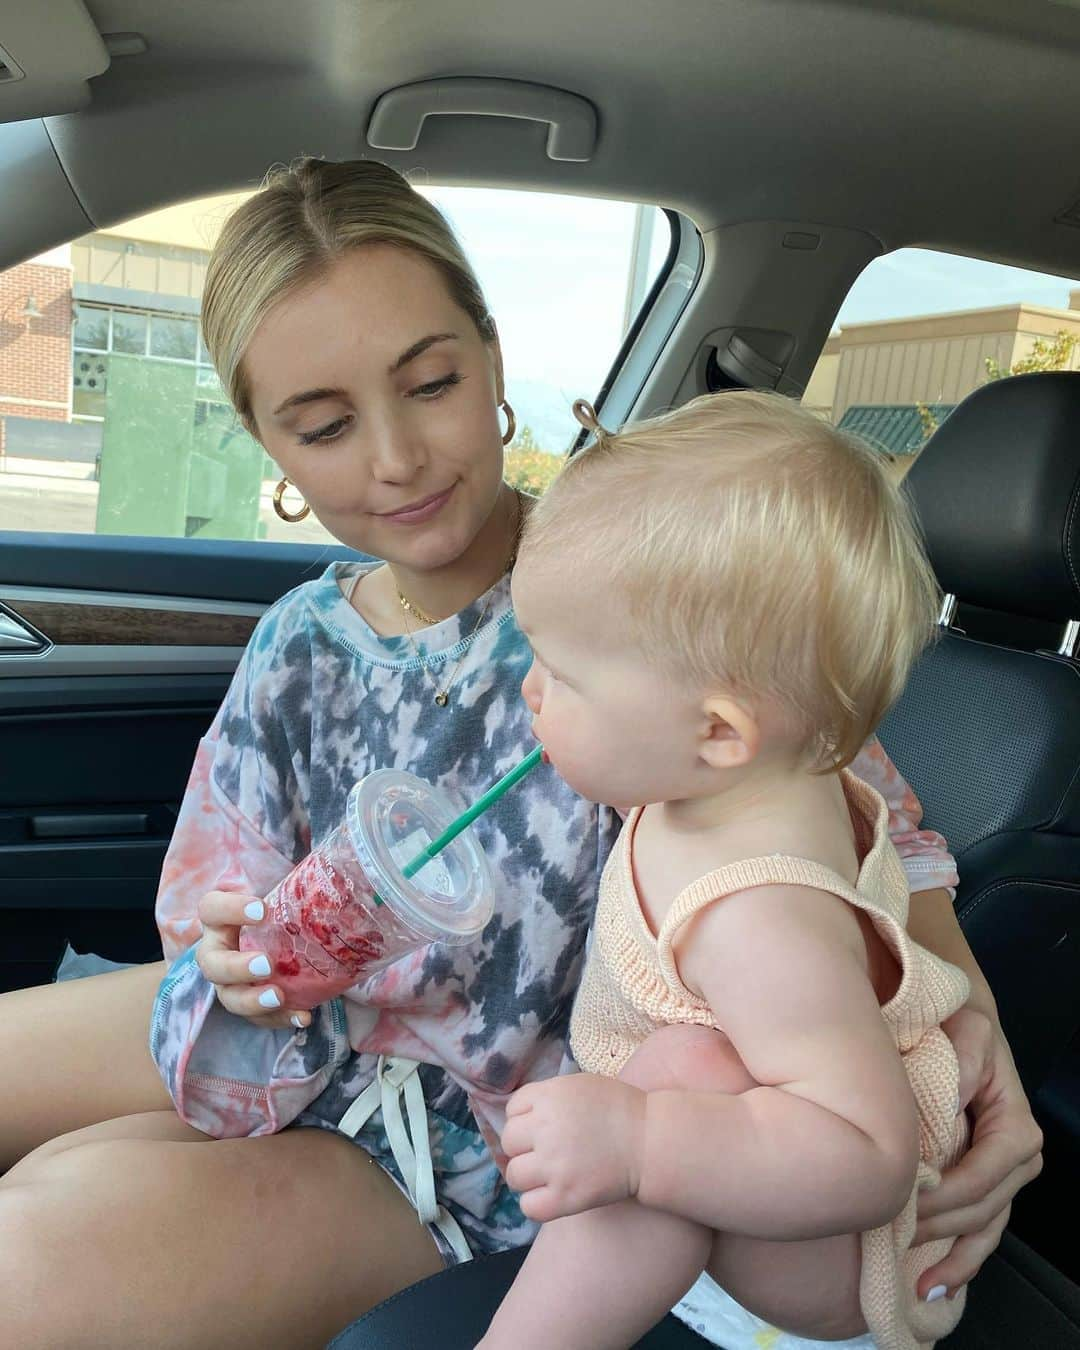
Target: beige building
{"type": "Point", "coordinates": [936, 360]}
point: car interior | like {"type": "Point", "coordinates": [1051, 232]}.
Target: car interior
{"type": "Point", "coordinates": [790, 143]}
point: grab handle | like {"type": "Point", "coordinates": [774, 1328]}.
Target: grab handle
{"type": "Point", "coordinates": [398, 116]}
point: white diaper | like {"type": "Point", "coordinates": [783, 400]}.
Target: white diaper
{"type": "Point", "coordinates": [712, 1313]}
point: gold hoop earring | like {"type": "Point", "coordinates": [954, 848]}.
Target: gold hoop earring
{"type": "Point", "coordinates": [291, 516]}
{"type": "Point", "coordinates": [511, 422]}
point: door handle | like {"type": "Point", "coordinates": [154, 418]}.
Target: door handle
{"type": "Point", "coordinates": [19, 638]}
{"type": "Point", "coordinates": [89, 825]}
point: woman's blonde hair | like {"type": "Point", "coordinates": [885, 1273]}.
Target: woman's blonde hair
{"type": "Point", "coordinates": [753, 548]}
{"type": "Point", "coordinates": [305, 216]}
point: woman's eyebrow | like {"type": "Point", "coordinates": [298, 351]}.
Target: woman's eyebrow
{"type": "Point", "coordinates": [308, 396]}
{"type": "Point", "coordinates": [418, 349]}
{"type": "Point", "coordinates": [409, 354]}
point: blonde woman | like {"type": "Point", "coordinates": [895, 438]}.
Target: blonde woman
{"type": "Point", "coordinates": [354, 340]}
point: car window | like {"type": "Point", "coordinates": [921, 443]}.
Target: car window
{"type": "Point", "coordinates": [921, 330]}
{"type": "Point", "coordinates": [113, 420]}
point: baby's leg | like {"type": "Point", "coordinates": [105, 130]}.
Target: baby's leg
{"type": "Point", "coordinates": [600, 1280]}
{"type": "Point", "coordinates": [809, 1287]}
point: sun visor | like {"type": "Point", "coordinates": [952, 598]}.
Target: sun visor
{"type": "Point", "coordinates": [48, 51]}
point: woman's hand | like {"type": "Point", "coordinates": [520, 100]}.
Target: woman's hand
{"type": "Point", "coordinates": [238, 975]}
{"type": "Point", "coordinates": [975, 1197]}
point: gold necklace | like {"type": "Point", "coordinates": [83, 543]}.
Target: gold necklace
{"type": "Point", "coordinates": [442, 696]}
{"type": "Point", "coordinates": [415, 610]}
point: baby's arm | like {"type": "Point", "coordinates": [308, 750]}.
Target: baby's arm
{"type": "Point", "coordinates": [829, 1142]}
{"type": "Point", "coordinates": [828, 1146]}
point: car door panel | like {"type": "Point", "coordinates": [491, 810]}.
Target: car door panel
{"type": "Point", "coordinates": [99, 726]}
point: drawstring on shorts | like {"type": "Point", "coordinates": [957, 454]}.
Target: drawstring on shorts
{"type": "Point", "coordinates": [397, 1078]}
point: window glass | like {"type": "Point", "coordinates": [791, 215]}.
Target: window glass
{"type": "Point", "coordinates": [920, 330]}
{"type": "Point", "coordinates": [91, 328]}
{"type": "Point", "coordinates": [128, 333]}
{"type": "Point", "coordinates": [112, 418]}
{"type": "Point", "coordinates": [172, 337]}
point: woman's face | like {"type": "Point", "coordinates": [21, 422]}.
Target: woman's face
{"type": "Point", "coordinates": [379, 399]}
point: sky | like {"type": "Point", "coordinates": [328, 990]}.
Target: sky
{"type": "Point", "coordinates": [555, 270]}
{"type": "Point", "coordinates": [555, 273]}
{"type": "Point", "coordinates": [915, 281]}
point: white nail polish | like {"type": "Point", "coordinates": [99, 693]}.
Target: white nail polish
{"type": "Point", "coordinates": [255, 910]}
{"type": "Point", "coordinates": [269, 999]}
{"type": "Point", "coordinates": [297, 1021]}
{"type": "Point", "coordinates": [938, 1291]}
{"type": "Point", "coordinates": [259, 965]}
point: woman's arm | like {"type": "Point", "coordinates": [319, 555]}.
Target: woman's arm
{"type": "Point", "coordinates": [974, 1199]}
{"type": "Point", "coordinates": [924, 853]}
{"type": "Point", "coordinates": [239, 830]}
{"type": "Point", "coordinates": [214, 847]}
{"type": "Point", "coordinates": [932, 922]}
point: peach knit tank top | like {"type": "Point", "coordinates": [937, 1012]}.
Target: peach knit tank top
{"type": "Point", "coordinates": [631, 987]}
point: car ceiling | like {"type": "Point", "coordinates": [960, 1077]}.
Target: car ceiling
{"type": "Point", "coordinates": [946, 123]}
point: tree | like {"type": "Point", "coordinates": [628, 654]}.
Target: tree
{"type": "Point", "coordinates": [525, 439]}
{"type": "Point", "coordinates": [1054, 353]}
{"type": "Point", "coordinates": [528, 466]}
{"type": "Point", "coordinates": [1046, 354]}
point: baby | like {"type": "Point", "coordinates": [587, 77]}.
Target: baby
{"type": "Point", "coordinates": [722, 603]}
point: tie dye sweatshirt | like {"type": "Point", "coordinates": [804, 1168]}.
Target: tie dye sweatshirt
{"type": "Point", "coordinates": [318, 701]}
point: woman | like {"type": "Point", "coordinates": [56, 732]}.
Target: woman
{"type": "Point", "coordinates": [355, 343]}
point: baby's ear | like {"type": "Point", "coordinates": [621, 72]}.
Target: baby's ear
{"type": "Point", "coordinates": [731, 735]}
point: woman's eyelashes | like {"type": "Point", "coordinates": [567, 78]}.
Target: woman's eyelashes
{"type": "Point", "coordinates": [330, 432]}
{"type": "Point", "coordinates": [428, 393]}
{"type": "Point", "coordinates": [436, 388]}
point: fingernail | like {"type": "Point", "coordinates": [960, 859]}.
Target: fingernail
{"type": "Point", "coordinates": [255, 910]}
{"type": "Point", "coordinates": [259, 965]}
{"type": "Point", "coordinates": [938, 1291]}
{"type": "Point", "coordinates": [298, 1021]}
{"type": "Point", "coordinates": [269, 999]}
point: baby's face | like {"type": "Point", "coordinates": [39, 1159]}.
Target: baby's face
{"type": "Point", "coordinates": [615, 730]}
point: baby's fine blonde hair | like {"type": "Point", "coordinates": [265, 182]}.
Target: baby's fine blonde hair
{"type": "Point", "coordinates": [304, 217]}
{"type": "Point", "coordinates": [753, 549]}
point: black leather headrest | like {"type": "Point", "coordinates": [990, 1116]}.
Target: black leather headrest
{"type": "Point", "coordinates": [997, 489]}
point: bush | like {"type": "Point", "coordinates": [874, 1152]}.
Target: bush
{"type": "Point", "coordinates": [531, 470]}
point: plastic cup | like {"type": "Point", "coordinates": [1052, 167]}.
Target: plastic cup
{"type": "Point", "coordinates": [348, 910]}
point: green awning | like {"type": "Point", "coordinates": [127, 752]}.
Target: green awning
{"type": "Point", "coordinates": [895, 428]}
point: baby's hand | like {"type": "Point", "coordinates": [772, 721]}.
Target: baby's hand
{"type": "Point", "coordinates": [574, 1143]}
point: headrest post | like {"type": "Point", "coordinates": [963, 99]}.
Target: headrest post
{"type": "Point", "coordinates": [948, 611]}
{"type": "Point", "coordinates": [1069, 638]}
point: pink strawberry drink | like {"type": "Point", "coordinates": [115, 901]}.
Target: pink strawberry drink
{"type": "Point", "coordinates": [347, 910]}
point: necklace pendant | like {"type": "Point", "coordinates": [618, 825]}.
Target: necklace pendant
{"type": "Point", "coordinates": [442, 698]}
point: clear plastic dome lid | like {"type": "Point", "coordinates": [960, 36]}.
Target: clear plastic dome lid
{"type": "Point", "coordinates": [392, 816]}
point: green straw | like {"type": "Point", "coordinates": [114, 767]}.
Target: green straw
{"type": "Point", "coordinates": [505, 783]}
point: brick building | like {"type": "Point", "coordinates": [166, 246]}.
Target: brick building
{"type": "Point", "coordinates": [36, 314]}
